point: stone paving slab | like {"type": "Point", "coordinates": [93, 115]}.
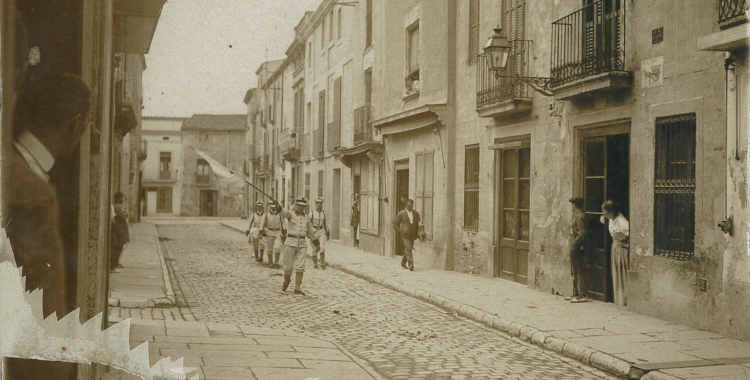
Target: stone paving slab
{"type": "Point", "coordinates": [606, 336]}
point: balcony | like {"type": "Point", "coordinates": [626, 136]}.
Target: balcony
{"type": "Point", "coordinates": [588, 50]}
{"type": "Point", "coordinates": [362, 125]}
{"type": "Point", "coordinates": [334, 135]}
{"type": "Point", "coordinates": [318, 140]}
{"type": "Point", "coordinates": [289, 144]}
{"type": "Point", "coordinates": [732, 12]}
{"type": "Point", "coordinates": [504, 95]}
{"type": "Point", "coordinates": [202, 179]}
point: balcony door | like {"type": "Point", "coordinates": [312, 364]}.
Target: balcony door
{"type": "Point", "coordinates": [513, 194]}
{"type": "Point", "coordinates": [601, 33]}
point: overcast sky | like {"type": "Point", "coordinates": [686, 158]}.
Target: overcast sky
{"type": "Point", "coordinates": [205, 52]}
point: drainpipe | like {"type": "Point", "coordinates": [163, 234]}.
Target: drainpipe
{"type": "Point", "coordinates": [450, 123]}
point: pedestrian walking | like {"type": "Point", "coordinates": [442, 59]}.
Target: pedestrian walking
{"type": "Point", "coordinates": [294, 250]}
{"type": "Point", "coordinates": [271, 228]}
{"type": "Point", "coordinates": [619, 229]}
{"type": "Point", "coordinates": [253, 232]}
{"type": "Point", "coordinates": [577, 242]}
{"type": "Point", "coordinates": [320, 226]}
{"type": "Point", "coordinates": [407, 224]}
{"type": "Point", "coordinates": [355, 220]}
{"type": "Point", "coordinates": [120, 233]}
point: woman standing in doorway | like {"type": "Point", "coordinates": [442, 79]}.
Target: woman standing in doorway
{"type": "Point", "coordinates": [619, 228]}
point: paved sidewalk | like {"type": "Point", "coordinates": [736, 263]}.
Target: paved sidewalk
{"type": "Point", "coordinates": [212, 350]}
{"type": "Point", "coordinates": [603, 335]}
{"type": "Point", "coordinates": [144, 280]}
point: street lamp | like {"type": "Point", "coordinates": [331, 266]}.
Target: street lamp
{"type": "Point", "coordinates": [496, 52]}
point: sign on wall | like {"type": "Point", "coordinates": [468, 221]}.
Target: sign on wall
{"type": "Point", "coordinates": [652, 72]}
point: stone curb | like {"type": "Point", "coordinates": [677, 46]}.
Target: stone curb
{"type": "Point", "coordinates": [164, 271]}
{"type": "Point", "coordinates": [588, 356]}
{"type": "Point", "coordinates": [656, 375]}
{"type": "Point", "coordinates": [360, 362]}
{"type": "Point", "coordinates": [596, 359]}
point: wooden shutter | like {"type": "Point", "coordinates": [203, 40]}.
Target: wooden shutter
{"type": "Point", "coordinates": [471, 188]}
{"type": "Point", "coordinates": [474, 17]}
{"type": "Point", "coordinates": [336, 129]}
{"type": "Point", "coordinates": [423, 195]}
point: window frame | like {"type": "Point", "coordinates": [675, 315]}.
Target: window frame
{"type": "Point", "coordinates": [162, 206]}
{"type": "Point", "coordinates": [471, 187]}
{"type": "Point", "coordinates": [198, 170]}
{"type": "Point", "coordinates": [165, 157]}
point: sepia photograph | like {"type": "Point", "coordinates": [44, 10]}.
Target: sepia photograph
{"type": "Point", "coordinates": [374, 189]}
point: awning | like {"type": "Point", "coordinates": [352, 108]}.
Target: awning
{"type": "Point", "coordinates": [135, 24]}
{"type": "Point", "coordinates": [371, 149]}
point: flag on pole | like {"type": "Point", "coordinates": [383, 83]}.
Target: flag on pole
{"type": "Point", "coordinates": [223, 172]}
{"type": "Point", "coordinates": [220, 170]}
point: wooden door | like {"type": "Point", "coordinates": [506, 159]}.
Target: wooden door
{"type": "Point", "coordinates": [402, 193]}
{"type": "Point", "coordinates": [336, 205]}
{"type": "Point", "coordinates": [513, 167]}
{"type": "Point", "coordinates": [605, 176]}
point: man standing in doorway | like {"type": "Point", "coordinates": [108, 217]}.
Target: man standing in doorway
{"type": "Point", "coordinates": [407, 225]}
{"type": "Point", "coordinates": [253, 231]}
{"type": "Point", "coordinates": [578, 245]}
{"type": "Point", "coordinates": [295, 246]}
{"type": "Point", "coordinates": [320, 225]}
{"type": "Point", "coordinates": [270, 229]}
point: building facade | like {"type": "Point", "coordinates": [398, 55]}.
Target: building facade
{"type": "Point", "coordinates": [223, 138]}
{"type": "Point", "coordinates": [162, 171]}
{"type": "Point", "coordinates": [83, 38]}
{"type": "Point", "coordinates": [640, 102]}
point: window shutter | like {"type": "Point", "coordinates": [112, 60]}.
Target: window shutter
{"type": "Point", "coordinates": [473, 30]}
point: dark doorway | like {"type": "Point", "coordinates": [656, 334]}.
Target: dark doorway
{"type": "Point", "coordinates": [606, 163]}
{"type": "Point", "coordinates": [336, 205]}
{"type": "Point", "coordinates": [513, 166]}
{"type": "Point", "coordinates": [208, 202]}
{"type": "Point", "coordinates": [402, 194]}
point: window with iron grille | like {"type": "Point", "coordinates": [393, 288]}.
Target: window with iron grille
{"type": "Point", "coordinates": [674, 187]}
{"type": "Point", "coordinates": [202, 171]}
{"type": "Point", "coordinates": [320, 183]}
{"type": "Point", "coordinates": [165, 165]}
{"type": "Point", "coordinates": [471, 189]}
{"type": "Point", "coordinates": [473, 30]}
{"type": "Point", "coordinates": [164, 199]}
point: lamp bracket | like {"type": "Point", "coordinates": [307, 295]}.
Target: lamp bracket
{"type": "Point", "coordinates": [540, 84]}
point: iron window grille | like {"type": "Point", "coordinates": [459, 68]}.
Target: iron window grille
{"type": "Point", "coordinates": [674, 187]}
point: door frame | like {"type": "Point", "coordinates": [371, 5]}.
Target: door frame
{"type": "Point", "coordinates": [599, 129]}
{"type": "Point", "coordinates": [402, 164]}
{"type": "Point", "coordinates": [522, 141]}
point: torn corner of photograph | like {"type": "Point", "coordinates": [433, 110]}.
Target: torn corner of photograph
{"type": "Point", "coordinates": [26, 334]}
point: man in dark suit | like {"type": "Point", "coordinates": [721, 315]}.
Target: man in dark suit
{"type": "Point", "coordinates": [407, 226]}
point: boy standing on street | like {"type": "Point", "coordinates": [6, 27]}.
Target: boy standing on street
{"type": "Point", "coordinates": [577, 243]}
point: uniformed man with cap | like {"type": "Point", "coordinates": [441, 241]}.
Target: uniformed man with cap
{"type": "Point", "coordinates": [320, 225]}
{"type": "Point", "coordinates": [253, 231]}
{"type": "Point", "coordinates": [271, 227]}
{"type": "Point", "coordinates": [577, 243]}
{"type": "Point", "coordinates": [295, 247]}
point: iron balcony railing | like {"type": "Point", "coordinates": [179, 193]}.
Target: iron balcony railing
{"type": "Point", "coordinates": [334, 135]}
{"type": "Point", "coordinates": [494, 88]}
{"type": "Point", "coordinates": [732, 12]}
{"type": "Point", "coordinates": [362, 124]}
{"type": "Point", "coordinates": [589, 41]}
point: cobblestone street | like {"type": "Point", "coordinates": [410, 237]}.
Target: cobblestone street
{"type": "Point", "coordinates": [402, 338]}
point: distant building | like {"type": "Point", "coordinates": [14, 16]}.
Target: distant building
{"type": "Point", "coordinates": [162, 167]}
{"type": "Point", "coordinates": [222, 137]}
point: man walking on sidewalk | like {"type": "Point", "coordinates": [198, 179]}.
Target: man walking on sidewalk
{"type": "Point", "coordinates": [270, 229]}
{"type": "Point", "coordinates": [578, 245]}
{"type": "Point", "coordinates": [253, 231]}
{"type": "Point", "coordinates": [320, 225]}
{"type": "Point", "coordinates": [295, 246]}
{"type": "Point", "coordinates": [407, 225]}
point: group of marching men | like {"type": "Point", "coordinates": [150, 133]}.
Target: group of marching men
{"type": "Point", "coordinates": [280, 231]}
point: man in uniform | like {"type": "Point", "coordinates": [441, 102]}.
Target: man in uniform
{"type": "Point", "coordinates": [407, 225]}
{"type": "Point", "coordinates": [295, 247]}
{"type": "Point", "coordinates": [577, 243]}
{"type": "Point", "coordinates": [253, 231]}
{"type": "Point", "coordinates": [320, 225]}
{"type": "Point", "coordinates": [271, 230]}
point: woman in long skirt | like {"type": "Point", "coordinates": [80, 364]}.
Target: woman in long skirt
{"type": "Point", "coordinates": [619, 229]}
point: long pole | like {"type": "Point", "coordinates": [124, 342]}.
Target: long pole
{"type": "Point", "coordinates": [261, 191]}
